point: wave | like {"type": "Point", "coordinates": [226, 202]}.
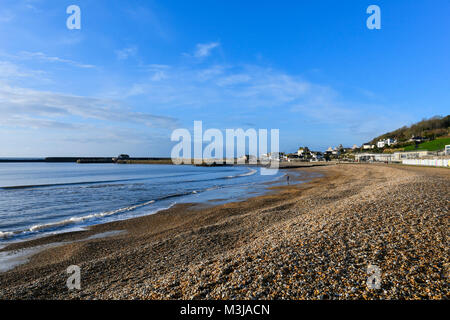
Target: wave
{"type": "Point", "coordinates": [46, 227]}
{"type": "Point", "coordinates": [74, 220]}
{"type": "Point", "coordinates": [7, 234]}
{"type": "Point", "coordinates": [249, 173]}
{"type": "Point", "coordinates": [105, 182]}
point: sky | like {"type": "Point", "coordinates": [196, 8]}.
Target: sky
{"type": "Point", "coordinates": [137, 70]}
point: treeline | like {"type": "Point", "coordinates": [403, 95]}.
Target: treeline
{"type": "Point", "coordinates": [432, 128]}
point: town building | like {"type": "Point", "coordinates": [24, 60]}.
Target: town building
{"type": "Point", "coordinates": [316, 156]}
{"type": "Point", "coordinates": [303, 151]}
{"type": "Point", "coordinates": [381, 157]}
{"type": "Point", "coordinates": [386, 142]}
{"type": "Point", "coordinates": [367, 146]}
{"type": "Point", "coordinates": [417, 139]}
{"type": "Point", "coordinates": [398, 156]}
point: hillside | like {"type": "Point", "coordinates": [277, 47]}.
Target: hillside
{"type": "Point", "coordinates": [434, 145]}
{"type": "Point", "coordinates": [432, 128]}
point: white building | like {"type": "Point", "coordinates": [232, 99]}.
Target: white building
{"type": "Point", "coordinates": [316, 156]}
{"type": "Point", "coordinates": [274, 156]}
{"type": "Point", "coordinates": [382, 157]}
{"type": "Point", "coordinates": [381, 143]}
{"type": "Point", "coordinates": [411, 155]}
{"type": "Point", "coordinates": [386, 142]}
{"type": "Point", "coordinates": [367, 146]}
{"type": "Point", "coordinates": [303, 151]}
{"type": "Point", "coordinates": [391, 141]}
{"type": "Point", "coordinates": [447, 150]}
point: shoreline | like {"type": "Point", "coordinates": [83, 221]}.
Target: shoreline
{"type": "Point", "coordinates": [88, 229]}
{"type": "Point", "coordinates": [210, 247]}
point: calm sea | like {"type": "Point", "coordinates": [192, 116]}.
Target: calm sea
{"type": "Point", "coordinates": [43, 198]}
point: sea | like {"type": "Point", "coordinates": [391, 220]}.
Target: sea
{"type": "Point", "coordinates": [38, 199]}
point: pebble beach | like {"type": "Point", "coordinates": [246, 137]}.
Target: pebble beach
{"type": "Point", "coordinates": [314, 240]}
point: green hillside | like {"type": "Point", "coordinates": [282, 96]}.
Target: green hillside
{"type": "Point", "coordinates": [432, 128]}
{"type": "Point", "coordinates": [433, 145]}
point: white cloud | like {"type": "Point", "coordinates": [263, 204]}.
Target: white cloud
{"type": "Point", "coordinates": [10, 71]}
{"type": "Point", "coordinates": [157, 67]}
{"type": "Point", "coordinates": [255, 92]}
{"type": "Point", "coordinates": [28, 107]}
{"type": "Point", "coordinates": [126, 53]}
{"type": "Point", "coordinates": [44, 57]}
{"type": "Point", "coordinates": [230, 86]}
{"type": "Point", "coordinates": [204, 49]}
{"type": "Point", "coordinates": [234, 79]}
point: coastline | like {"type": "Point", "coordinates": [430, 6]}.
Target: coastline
{"type": "Point", "coordinates": [88, 195]}
{"type": "Point", "coordinates": [271, 187]}
{"type": "Point", "coordinates": [236, 250]}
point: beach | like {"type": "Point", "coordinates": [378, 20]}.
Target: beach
{"type": "Point", "coordinates": [313, 240]}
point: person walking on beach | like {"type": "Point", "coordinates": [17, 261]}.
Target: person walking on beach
{"type": "Point", "coordinates": [287, 179]}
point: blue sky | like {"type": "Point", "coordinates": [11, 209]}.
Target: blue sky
{"type": "Point", "coordinates": [137, 70]}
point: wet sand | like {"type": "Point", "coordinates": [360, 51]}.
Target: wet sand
{"type": "Point", "coordinates": [307, 241]}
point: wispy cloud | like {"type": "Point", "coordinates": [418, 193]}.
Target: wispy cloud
{"type": "Point", "coordinates": [9, 71]}
{"type": "Point", "coordinates": [22, 106]}
{"type": "Point", "coordinates": [246, 90]}
{"type": "Point", "coordinates": [231, 86]}
{"type": "Point", "coordinates": [126, 53]}
{"type": "Point", "coordinates": [44, 57]}
{"type": "Point", "coordinates": [204, 50]}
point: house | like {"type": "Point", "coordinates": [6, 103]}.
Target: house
{"type": "Point", "coordinates": [316, 156]}
{"type": "Point", "coordinates": [276, 156]}
{"type": "Point", "coordinates": [367, 146]}
{"type": "Point", "coordinates": [447, 150]}
{"type": "Point", "coordinates": [248, 159]}
{"type": "Point", "coordinates": [354, 147]}
{"type": "Point", "coordinates": [243, 159]}
{"type": "Point", "coordinates": [252, 159]}
{"type": "Point", "coordinates": [391, 142]}
{"type": "Point", "coordinates": [302, 152]}
{"type": "Point", "coordinates": [417, 139]}
{"type": "Point", "coordinates": [386, 142]}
